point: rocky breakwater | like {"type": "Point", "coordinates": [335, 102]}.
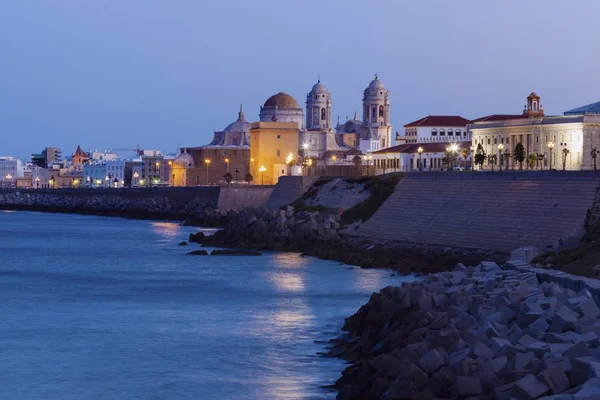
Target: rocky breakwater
{"type": "Point", "coordinates": [320, 234]}
{"type": "Point", "coordinates": [158, 206]}
{"type": "Point", "coordinates": [473, 333]}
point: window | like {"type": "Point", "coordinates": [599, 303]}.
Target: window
{"type": "Point", "coordinates": [278, 153]}
{"type": "Point", "coordinates": [449, 132]}
{"type": "Point", "coordinates": [381, 111]}
{"type": "Point", "coordinates": [442, 132]}
{"type": "Point", "coordinates": [278, 136]}
{"type": "Point", "coordinates": [374, 118]}
{"type": "Point", "coordinates": [322, 114]}
{"type": "Point", "coordinates": [495, 140]}
{"type": "Point", "coordinates": [489, 141]}
{"type": "Point", "coordinates": [457, 132]}
{"type": "Point", "coordinates": [434, 132]}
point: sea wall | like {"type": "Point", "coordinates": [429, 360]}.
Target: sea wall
{"type": "Point", "coordinates": [499, 211]}
{"type": "Point", "coordinates": [136, 203]}
{"type": "Point", "coordinates": [240, 197]}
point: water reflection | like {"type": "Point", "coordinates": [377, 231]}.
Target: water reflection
{"type": "Point", "coordinates": [166, 229]}
{"type": "Point", "coordinates": [368, 279]}
{"type": "Point", "coordinates": [289, 260]}
{"type": "Point", "coordinates": [287, 282]}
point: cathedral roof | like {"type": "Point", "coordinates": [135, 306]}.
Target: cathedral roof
{"type": "Point", "coordinates": [185, 160]}
{"type": "Point", "coordinates": [319, 88]}
{"type": "Point", "coordinates": [593, 108]}
{"type": "Point", "coordinates": [440, 121]}
{"type": "Point", "coordinates": [240, 125]}
{"type": "Point", "coordinates": [80, 152]}
{"type": "Point", "coordinates": [376, 84]}
{"type": "Point", "coordinates": [281, 100]}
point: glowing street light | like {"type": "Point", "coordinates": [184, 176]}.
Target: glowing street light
{"type": "Point", "coordinates": [37, 182]}
{"type": "Point", "coordinates": [420, 151]}
{"type": "Point", "coordinates": [207, 163]}
{"type": "Point", "coordinates": [262, 170]}
{"type": "Point", "coordinates": [500, 160]}
{"type": "Point", "coordinates": [135, 178]}
{"type": "Point", "coordinates": [550, 146]}
{"type": "Point", "coordinates": [472, 158]}
{"type": "Point", "coordinates": [227, 162]}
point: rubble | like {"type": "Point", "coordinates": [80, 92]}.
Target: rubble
{"type": "Point", "coordinates": [482, 332]}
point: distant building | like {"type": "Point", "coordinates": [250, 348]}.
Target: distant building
{"type": "Point", "coordinates": [103, 156]}
{"type": "Point", "coordinates": [10, 169]}
{"type": "Point", "coordinates": [94, 175]}
{"type": "Point", "coordinates": [80, 158]}
{"type": "Point", "coordinates": [437, 128]}
{"type": "Point", "coordinates": [434, 157]}
{"type": "Point", "coordinates": [569, 138]}
{"type": "Point", "coordinates": [115, 171]}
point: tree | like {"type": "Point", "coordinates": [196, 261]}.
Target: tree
{"type": "Point", "coordinates": [465, 153]}
{"type": "Point", "coordinates": [594, 154]}
{"type": "Point", "coordinates": [519, 155]}
{"type": "Point", "coordinates": [532, 160]}
{"type": "Point", "coordinates": [480, 156]}
{"type": "Point", "coordinates": [565, 153]}
{"type": "Point", "coordinates": [249, 178]}
{"type": "Point", "coordinates": [492, 160]}
{"type": "Point", "coordinates": [228, 177]}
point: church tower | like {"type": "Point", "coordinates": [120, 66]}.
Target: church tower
{"type": "Point", "coordinates": [376, 125]}
{"type": "Point", "coordinates": [318, 107]}
{"type": "Point", "coordinates": [533, 108]}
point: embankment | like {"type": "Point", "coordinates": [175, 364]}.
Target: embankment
{"type": "Point", "coordinates": [499, 211]}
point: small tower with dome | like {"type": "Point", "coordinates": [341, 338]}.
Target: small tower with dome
{"type": "Point", "coordinates": [376, 129]}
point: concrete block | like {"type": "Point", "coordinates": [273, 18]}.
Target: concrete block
{"type": "Point", "coordinates": [523, 360]}
{"type": "Point", "coordinates": [590, 390]}
{"type": "Point", "coordinates": [458, 356]}
{"type": "Point", "coordinates": [577, 350]}
{"type": "Point", "coordinates": [498, 365]}
{"type": "Point", "coordinates": [498, 344]}
{"type": "Point", "coordinates": [555, 378]}
{"type": "Point", "coordinates": [503, 392]}
{"type": "Point", "coordinates": [530, 387]}
{"type": "Point", "coordinates": [581, 369]}
{"type": "Point", "coordinates": [564, 363]}
{"type": "Point", "coordinates": [588, 309]}
{"type": "Point", "coordinates": [470, 366]}
{"type": "Point", "coordinates": [540, 325]}
{"type": "Point", "coordinates": [431, 361]}
{"type": "Point", "coordinates": [481, 350]}
{"type": "Point", "coordinates": [468, 385]}
{"type": "Point", "coordinates": [526, 340]}
{"type": "Point", "coordinates": [416, 375]}
{"type": "Point", "coordinates": [400, 389]}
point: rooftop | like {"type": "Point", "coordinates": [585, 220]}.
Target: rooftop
{"type": "Point", "coordinates": [439, 121]}
{"type": "Point", "coordinates": [593, 108]}
{"type": "Point", "coordinates": [437, 147]}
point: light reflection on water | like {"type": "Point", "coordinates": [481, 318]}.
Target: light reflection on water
{"type": "Point", "coordinates": [135, 321]}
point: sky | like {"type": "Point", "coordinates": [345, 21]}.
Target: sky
{"type": "Point", "coordinates": [162, 74]}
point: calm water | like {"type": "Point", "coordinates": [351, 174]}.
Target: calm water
{"type": "Point", "coordinates": [101, 308]}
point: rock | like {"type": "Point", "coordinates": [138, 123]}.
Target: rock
{"type": "Point", "coordinates": [183, 243]}
{"type": "Point", "coordinates": [234, 252]}
{"type": "Point", "coordinates": [196, 237]}
{"type": "Point", "coordinates": [197, 253]}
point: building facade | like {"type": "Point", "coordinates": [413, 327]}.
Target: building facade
{"type": "Point", "coordinates": [376, 128]}
{"type": "Point", "coordinates": [550, 142]}
{"type": "Point", "coordinates": [271, 145]}
{"type": "Point", "coordinates": [437, 128]}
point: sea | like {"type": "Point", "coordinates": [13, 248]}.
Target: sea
{"type": "Point", "coordinates": [108, 308]}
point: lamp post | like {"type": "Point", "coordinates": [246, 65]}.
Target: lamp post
{"type": "Point", "coordinates": [252, 171]}
{"type": "Point", "coordinates": [237, 171]}
{"type": "Point", "coordinates": [52, 181]}
{"type": "Point", "coordinates": [207, 163]}
{"type": "Point", "coordinates": [173, 180]}
{"type": "Point", "coordinates": [262, 170]}
{"type": "Point", "coordinates": [500, 148]}
{"type": "Point", "coordinates": [135, 178]}
{"type": "Point", "coordinates": [473, 159]}
{"type": "Point", "coordinates": [227, 163]}
{"type": "Point", "coordinates": [37, 182]}
{"type": "Point", "coordinates": [550, 146]}
{"type": "Point", "coordinates": [420, 151]}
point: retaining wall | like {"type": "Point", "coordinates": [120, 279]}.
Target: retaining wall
{"type": "Point", "coordinates": [237, 198]}
{"type": "Point", "coordinates": [485, 210]}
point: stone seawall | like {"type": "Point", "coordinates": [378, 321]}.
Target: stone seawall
{"type": "Point", "coordinates": [498, 211]}
{"type": "Point", "coordinates": [161, 203]}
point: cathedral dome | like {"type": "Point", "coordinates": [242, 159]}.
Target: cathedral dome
{"type": "Point", "coordinates": [319, 88]}
{"type": "Point", "coordinates": [376, 84]}
{"type": "Point", "coordinates": [185, 160]}
{"type": "Point", "coordinates": [240, 125]}
{"type": "Point", "coordinates": [281, 100]}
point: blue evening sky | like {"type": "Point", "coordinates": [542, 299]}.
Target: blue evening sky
{"type": "Point", "coordinates": [116, 73]}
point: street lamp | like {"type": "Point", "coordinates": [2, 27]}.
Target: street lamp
{"type": "Point", "coordinates": [262, 169]}
{"type": "Point", "coordinates": [550, 146]}
{"type": "Point", "coordinates": [472, 158]}
{"type": "Point", "coordinates": [252, 171]}
{"type": "Point", "coordinates": [420, 151]}
{"type": "Point", "coordinates": [227, 162]}
{"type": "Point", "coordinates": [135, 178]}
{"type": "Point", "coordinates": [37, 182]}
{"type": "Point", "coordinates": [107, 179]}
{"type": "Point", "coordinates": [500, 148]}
{"type": "Point", "coordinates": [52, 181]}
{"type": "Point", "coordinates": [207, 163]}
{"type": "Point", "coordinates": [236, 171]}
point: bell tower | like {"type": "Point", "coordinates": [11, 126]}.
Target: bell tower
{"type": "Point", "coordinates": [533, 108]}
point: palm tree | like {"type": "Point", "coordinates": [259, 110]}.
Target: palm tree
{"type": "Point", "coordinates": [248, 178]}
{"type": "Point", "coordinates": [465, 153]}
{"type": "Point", "coordinates": [357, 161]}
{"type": "Point", "coordinates": [531, 161]}
{"type": "Point", "coordinates": [228, 177]}
{"type": "Point", "coordinates": [594, 154]}
{"type": "Point", "coordinates": [565, 153]}
{"type": "Point", "coordinates": [492, 160]}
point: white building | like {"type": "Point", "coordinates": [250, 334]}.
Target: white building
{"type": "Point", "coordinates": [437, 128]}
{"type": "Point", "coordinates": [115, 171]}
{"type": "Point", "coordinates": [555, 142]}
{"type": "Point", "coordinates": [11, 168]}
{"type": "Point", "coordinates": [376, 128]}
{"type": "Point", "coordinates": [99, 157]}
